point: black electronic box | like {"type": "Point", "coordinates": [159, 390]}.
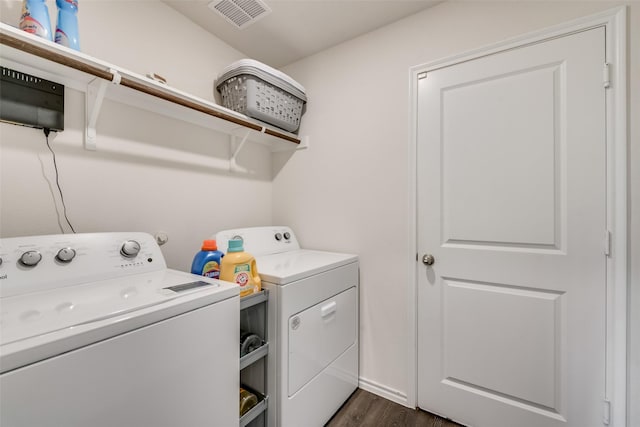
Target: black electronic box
{"type": "Point", "coordinates": [31, 101]}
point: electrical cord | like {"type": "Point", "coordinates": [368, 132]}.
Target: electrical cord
{"type": "Point", "coordinates": [47, 131]}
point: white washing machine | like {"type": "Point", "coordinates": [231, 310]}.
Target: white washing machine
{"type": "Point", "coordinates": [313, 311]}
{"type": "Point", "coordinates": [97, 331]}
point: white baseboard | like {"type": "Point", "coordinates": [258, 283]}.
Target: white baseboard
{"type": "Point", "coordinates": [384, 391]}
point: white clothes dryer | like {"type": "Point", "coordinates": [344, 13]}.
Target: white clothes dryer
{"type": "Point", "coordinates": [97, 331]}
{"type": "Point", "coordinates": [313, 326]}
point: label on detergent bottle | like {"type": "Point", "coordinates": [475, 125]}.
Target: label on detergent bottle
{"type": "Point", "coordinates": [62, 38]}
{"type": "Point", "coordinates": [67, 27]}
{"type": "Point", "coordinates": [241, 275]}
{"type": "Point", "coordinates": [30, 24]}
{"type": "Point", "coordinates": [211, 269]}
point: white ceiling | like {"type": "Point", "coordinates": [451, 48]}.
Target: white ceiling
{"type": "Point", "coordinates": [299, 28]}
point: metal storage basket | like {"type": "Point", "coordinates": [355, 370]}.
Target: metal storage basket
{"type": "Point", "coordinates": [258, 91]}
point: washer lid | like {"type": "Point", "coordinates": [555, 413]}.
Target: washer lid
{"type": "Point", "coordinates": [42, 324]}
{"type": "Point", "coordinates": [287, 267]}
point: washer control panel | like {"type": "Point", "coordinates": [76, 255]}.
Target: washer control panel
{"type": "Point", "coordinates": [35, 263]}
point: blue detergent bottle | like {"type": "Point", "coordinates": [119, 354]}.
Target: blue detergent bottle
{"type": "Point", "coordinates": [67, 27]}
{"type": "Point", "coordinates": [35, 18]}
{"type": "Point", "coordinates": [207, 261]}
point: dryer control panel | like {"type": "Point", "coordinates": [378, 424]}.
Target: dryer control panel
{"type": "Point", "coordinates": [260, 240]}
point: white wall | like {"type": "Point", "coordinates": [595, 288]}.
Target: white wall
{"type": "Point", "coordinates": [349, 191]}
{"type": "Point", "coordinates": [150, 173]}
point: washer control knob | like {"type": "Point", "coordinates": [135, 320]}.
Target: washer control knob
{"type": "Point", "coordinates": [287, 235]}
{"type": "Point", "coordinates": [130, 249]}
{"type": "Point", "coordinates": [0, 261]}
{"type": "Point", "coordinates": [30, 258]}
{"type": "Point", "coordinates": [278, 236]}
{"type": "Point", "coordinates": [66, 255]}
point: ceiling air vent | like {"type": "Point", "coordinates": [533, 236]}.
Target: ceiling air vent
{"type": "Point", "coordinates": [241, 13]}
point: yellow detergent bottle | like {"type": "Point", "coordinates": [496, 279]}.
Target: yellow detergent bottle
{"type": "Point", "coordinates": [240, 267]}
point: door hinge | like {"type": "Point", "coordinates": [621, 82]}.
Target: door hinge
{"type": "Point", "coordinates": [606, 75]}
{"type": "Point", "coordinates": [607, 243]}
{"type": "Point", "coordinates": [606, 412]}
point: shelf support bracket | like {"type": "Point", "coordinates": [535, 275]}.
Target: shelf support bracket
{"type": "Point", "coordinates": [96, 89]}
{"type": "Point", "coordinates": [236, 148]}
{"type": "Point", "coordinates": [304, 143]}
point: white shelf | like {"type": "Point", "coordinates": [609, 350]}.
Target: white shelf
{"type": "Point", "coordinates": [253, 299]}
{"type": "Point", "coordinates": [253, 413]}
{"type": "Point", "coordinates": [34, 55]}
{"type": "Point", "coordinates": [259, 354]}
{"type": "Point", "coordinates": [254, 356]}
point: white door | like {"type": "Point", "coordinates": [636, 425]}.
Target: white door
{"type": "Point", "coordinates": [511, 204]}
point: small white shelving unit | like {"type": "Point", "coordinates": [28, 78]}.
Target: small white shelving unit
{"type": "Point", "coordinates": [253, 366]}
{"type": "Point", "coordinates": [30, 54]}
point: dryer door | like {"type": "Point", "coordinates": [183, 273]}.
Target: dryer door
{"type": "Point", "coordinates": [319, 335]}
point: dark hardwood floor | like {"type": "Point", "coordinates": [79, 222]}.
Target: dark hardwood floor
{"type": "Point", "coordinates": [367, 409]}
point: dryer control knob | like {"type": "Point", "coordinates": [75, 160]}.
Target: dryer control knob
{"type": "Point", "coordinates": [30, 258]}
{"type": "Point", "coordinates": [278, 236]}
{"type": "Point", "coordinates": [130, 249]}
{"type": "Point", "coordinates": [287, 235]}
{"type": "Point", "coordinates": [66, 255]}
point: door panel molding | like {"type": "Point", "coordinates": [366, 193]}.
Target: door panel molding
{"type": "Point", "coordinates": [615, 23]}
{"type": "Point", "coordinates": [511, 311]}
{"type": "Point", "coordinates": [510, 400]}
{"type": "Point", "coordinates": [468, 213]}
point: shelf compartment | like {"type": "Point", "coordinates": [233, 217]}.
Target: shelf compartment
{"type": "Point", "coordinates": [78, 70]}
{"type": "Point", "coordinates": [254, 412]}
{"type": "Point", "coordinates": [254, 299]}
{"type": "Point", "coordinates": [254, 356]}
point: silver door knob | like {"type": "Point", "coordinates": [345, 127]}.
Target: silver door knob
{"type": "Point", "coordinates": [428, 259]}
